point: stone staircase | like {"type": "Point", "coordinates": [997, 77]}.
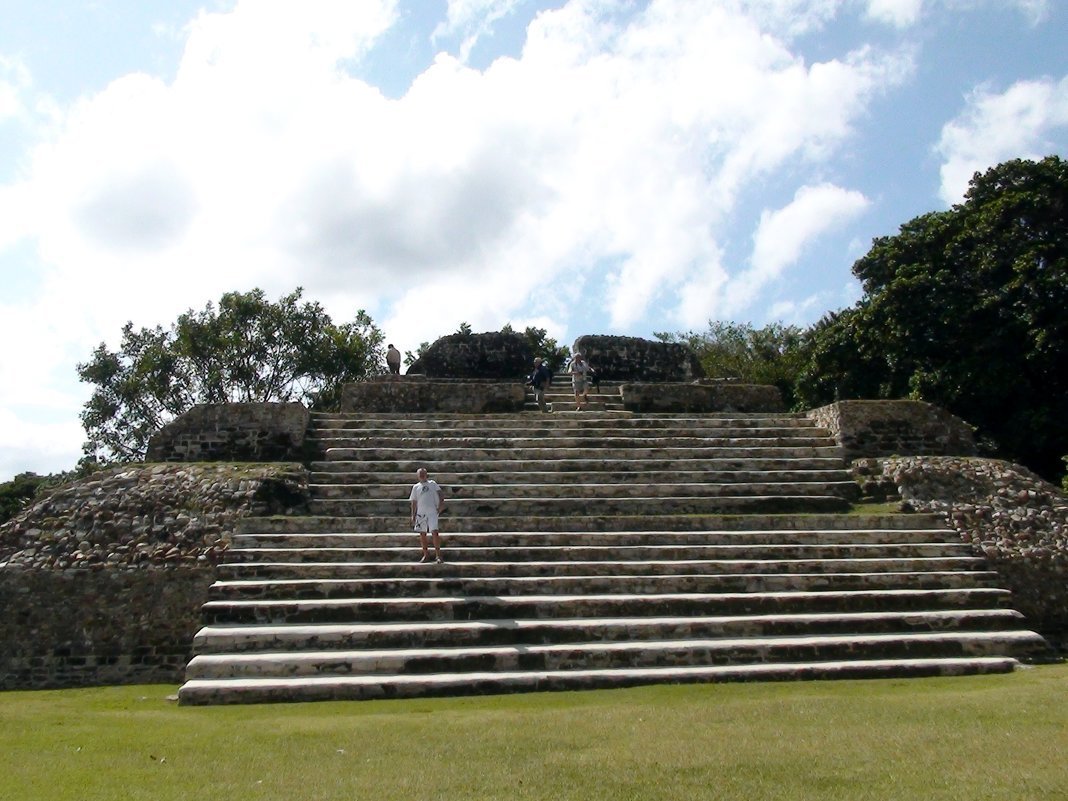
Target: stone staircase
{"type": "Point", "coordinates": [589, 549]}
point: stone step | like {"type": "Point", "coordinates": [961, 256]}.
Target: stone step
{"type": "Point", "coordinates": [591, 491]}
{"type": "Point", "coordinates": [356, 477]}
{"type": "Point", "coordinates": [537, 455]}
{"type": "Point", "coordinates": [403, 562]}
{"type": "Point", "coordinates": [595, 465]}
{"type": "Point", "coordinates": [605, 605]}
{"type": "Point", "coordinates": [510, 631]}
{"type": "Point", "coordinates": [566, 404]}
{"type": "Point", "coordinates": [312, 524]}
{"type": "Point", "coordinates": [553, 434]}
{"type": "Point", "coordinates": [524, 420]}
{"type": "Point", "coordinates": [616, 655]}
{"type": "Point", "coordinates": [722, 544]}
{"type": "Point", "coordinates": [229, 691]}
{"type": "Point", "coordinates": [519, 509]}
{"type": "Point", "coordinates": [574, 440]}
{"type": "Point", "coordinates": [741, 577]}
{"type": "Point", "coordinates": [460, 553]}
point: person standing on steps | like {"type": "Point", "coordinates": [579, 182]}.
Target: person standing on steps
{"type": "Point", "coordinates": [427, 500]}
{"type": "Point", "coordinates": [393, 360]}
{"type": "Point", "coordinates": [540, 380]}
{"type": "Point", "coordinates": [579, 369]}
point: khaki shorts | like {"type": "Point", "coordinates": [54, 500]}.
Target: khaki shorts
{"type": "Point", "coordinates": [426, 522]}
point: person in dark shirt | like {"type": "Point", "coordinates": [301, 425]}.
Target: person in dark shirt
{"type": "Point", "coordinates": [540, 380]}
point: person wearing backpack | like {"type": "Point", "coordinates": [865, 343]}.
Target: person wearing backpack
{"type": "Point", "coordinates": [540, 380]}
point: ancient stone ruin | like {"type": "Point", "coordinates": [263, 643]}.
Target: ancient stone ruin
{"type": "Point", "coordinates": [639, 360]}
{"type": "Point", "coordinates": [673, 530]}
{"type": "Point", "coordinates": [493, 355]}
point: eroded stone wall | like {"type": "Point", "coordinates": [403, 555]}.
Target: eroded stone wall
{"type": "Point", "coordinates": [636, 359]}
{"type": "Point", "coordinates": [1005, 512]}
{"type": "Point", "coordinates": [705, 396]}
{"type": "Point", "coordinates": [413, 393]}
{"type": "Point", "coordinates": [493, 355]}
{"type": "Point", "coordinates": [233, 432]}
{"type": "Point", "coordinates": [83, 627]}
{"type": "Point", "coordinates": [149, 514]}
{"type": "Point", "coordinates": [895, 428]}
{"type": "Point", "coordinates": [102, 581]}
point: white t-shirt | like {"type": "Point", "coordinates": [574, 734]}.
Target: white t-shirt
{"type": "Point", "coordinates": [427, 496]}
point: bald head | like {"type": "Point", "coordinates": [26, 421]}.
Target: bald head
{"type": "Point", "coordinates": [421, 474]}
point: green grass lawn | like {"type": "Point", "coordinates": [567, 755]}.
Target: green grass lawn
{"type": "Point", "coordinates": [992, 737]}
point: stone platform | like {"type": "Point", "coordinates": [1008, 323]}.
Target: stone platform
{"type": "Point", "coordinates": [593, 548]}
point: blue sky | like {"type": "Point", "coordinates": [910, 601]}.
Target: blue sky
{"type": "Point", "coordinates": [586, 166]}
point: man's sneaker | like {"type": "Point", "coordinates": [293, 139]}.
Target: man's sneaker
{"type": "Point", "coordinates": [426, 558]}
{"type": "Point", "coordinates": [439, 560]}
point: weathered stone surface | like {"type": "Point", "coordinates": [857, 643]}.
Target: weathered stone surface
{"type": "Point", "coordinates": [895, 427]}
{"type": "Point", "coordinates": [635, 359]}
{"type": "Point", "coordinates": [232, 432]}
{"type": "Point", "coordinates": [1008, 514]}
{"type": "Point", "coordinates": [102, 581]}
{"type": "Point", "coordinates": [418, 394]}
{"type": "Point", "coordinates": [80, 627]}
{"type": "Point", "coordinates": [494, 354]}
{"type": "Point", "coordinates": [705, 396]}
{"type": "Point", "coordinates": [148, 514]}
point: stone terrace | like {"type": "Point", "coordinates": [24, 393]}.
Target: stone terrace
{"type": "Point", "coordinates": [590, 549]}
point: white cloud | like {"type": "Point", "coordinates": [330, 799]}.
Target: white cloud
{"type": "Point", "coordinates": [15, 83]}
{"type": "Point", "coordinates": [598, 170]}
{"type": "Point", "coordinates": [46, 446]}
{"type": "Point", "coordinates": [907, 13]}
{"type": "Point", "coordinates": [781, 237]}
{"type": "Point", "coordinates": [899, 13]}
{"type": "Point", "coordinates": [996, 127]}
{"type": "Point", "coordinates": [472, 20]}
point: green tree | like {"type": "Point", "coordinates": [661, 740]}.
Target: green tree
{"type": "Point", "coordinates": [554, 354]}
{"type": "Point", "coordinates": [25, 488]}
{"type": "Point", "coordinates": [17, 493]}
{"type": "Point", "coordinates": [769, 355]}
{"type": "Point", "coordinates": [966, 309]}
{"type": "Point", "coordinates": [246, 349]}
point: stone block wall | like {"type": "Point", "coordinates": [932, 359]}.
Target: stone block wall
{"type": "Point", "coordinates": [102, 581]}
{"type": "Point", "coordinates": [636, 359]}
{"type": "Point", "coordinates": [869, 428]}
{"type": "Point", "coordinates": [413, 393]}
{"type": "Point", "coordinates": [700, 397]}
{"type": "Point", "coordinates": [233, 432]}
{"type": "Point", "coordinates": [83, 627]}
{"type": "Point", "coordinates": [1004, 511]}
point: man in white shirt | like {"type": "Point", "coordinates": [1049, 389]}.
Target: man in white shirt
{"type": "Point", "coordinates": [579, 375]}
{"type": "Point", "coordinates": [427, 499]}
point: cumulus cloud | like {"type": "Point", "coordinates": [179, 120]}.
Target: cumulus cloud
{"type": "Point", "coordinates": [995, 127]}
{"type": "Point", "coordinates": [14, 82]}
{"type": "Point", "coordinates": [899, 13]}
{"type": "Point", "coordinates": [472, 19]}
{"type": "Point", "coordinates": [598, 169]}
{"type": "Point", "coordinates": [778, 242]}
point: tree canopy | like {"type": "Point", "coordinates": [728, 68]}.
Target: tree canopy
{"type": "Point", "coordinates": [965, 308]}
{"type": "Point", "coordinates": [768, 355]}
{"type": "Point", "coordinates": [245, 349]}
